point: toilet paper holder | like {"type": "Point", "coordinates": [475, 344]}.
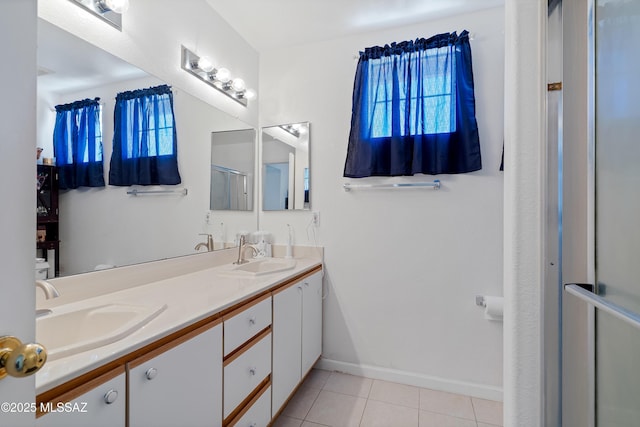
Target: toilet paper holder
{"type": "Point", "coordinates": [493, 307]}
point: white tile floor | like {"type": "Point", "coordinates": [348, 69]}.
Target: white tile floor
{"type": "Point", "coordinates": [341, 400]}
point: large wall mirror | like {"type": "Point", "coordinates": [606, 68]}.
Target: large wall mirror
{"type": "Point", "coordinates": [232, 166]}
{"type": "Point", "coordinates": [285, 167]}
{"type": "Point", "coordinates": [105, 226]}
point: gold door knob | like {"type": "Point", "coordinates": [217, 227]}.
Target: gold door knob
{"type": "Point", "coordinates": [18, 359]}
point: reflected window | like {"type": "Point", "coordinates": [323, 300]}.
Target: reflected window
{"type": "Point", "coordinates": [145, 142]}
{"type": "Point", "coordinates": [77, 144]}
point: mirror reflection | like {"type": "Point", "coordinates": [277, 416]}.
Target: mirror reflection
{"type": "Point", "coordinates": [285, 167]}
{"type": "Point", "coordinates": [104, 227]}
{"type": "Point", "coordinates": [232, 165]}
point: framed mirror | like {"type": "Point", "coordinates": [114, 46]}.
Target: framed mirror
{"type": "Point", "coordinates": [285, 167]}
{"type": "Point", "coordinates": [232, 166]}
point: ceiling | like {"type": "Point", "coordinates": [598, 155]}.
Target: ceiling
{"type": "Point", "coordinates": [268, 24]}
{"type": "Point", "coordinates": [67, 64]}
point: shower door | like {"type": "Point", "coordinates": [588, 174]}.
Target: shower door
{"type": "Point", "coordinates": [617, 216]}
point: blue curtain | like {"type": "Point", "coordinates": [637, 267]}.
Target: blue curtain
{"type": "Point", "coordinates": [414, 110]}
{"type": "Point", "coordinates": [77, 144]}
{"type": "Point", "coordinates": [145, 146]}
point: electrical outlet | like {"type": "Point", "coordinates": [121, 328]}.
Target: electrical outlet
{"type": "Point", "coordinates": [207, 217]}
{"type": "Point", "coordinates": [316, 218]}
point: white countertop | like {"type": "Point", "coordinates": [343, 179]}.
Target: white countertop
{"type": "Point", "coordinates": [189, 297]}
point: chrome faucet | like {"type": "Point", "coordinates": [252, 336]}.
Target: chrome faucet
{"type": "Point", "coordinates": [208, 244]}
{"type": "Point", "coordinates": [242, 247]}
{"type": "Point", "coordinates": [49, 290]}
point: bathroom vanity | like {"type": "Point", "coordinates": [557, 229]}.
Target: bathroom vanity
{"type": "Point", "coordinates": [227, 346]}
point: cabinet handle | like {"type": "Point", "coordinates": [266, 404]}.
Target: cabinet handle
{"type": "Point", "coordinates": [253, 425]}
{"type": "Point", "coordinates": [299, 288]}
{"type": "Point", "coordinates": [151, 373]}
{"type": "Point", "coordinates": [253, 371]}
{"type": "Point", "coordinates": [306, 284]}
{"type": "Point", "coordinates": [110, 396]}
{"type": "Point", "coordinates": [252, 320]}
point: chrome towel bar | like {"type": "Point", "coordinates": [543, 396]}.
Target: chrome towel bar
{"type": "Point", "coordinates": [135, 192]}
{"type": "Point", "coordinates": [435, 185]}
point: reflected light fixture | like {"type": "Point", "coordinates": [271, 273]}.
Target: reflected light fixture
{"type": "Point", "coordinates": [109, 11]}
{"type": "Point", "coordinates": [219, 78]}
{"type": "Point", "coordinates": [293, 129]}
{"type": "Point", "coordinates": [117, 6]}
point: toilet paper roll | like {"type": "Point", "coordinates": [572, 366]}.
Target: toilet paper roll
{"type": "Point", "coordinates": [493, 308]}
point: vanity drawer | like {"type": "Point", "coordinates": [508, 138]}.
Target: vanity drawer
{"type": "Point", "coordinates": [242, 325]}
{"type": "Point", "coordinates": [259, 412]}
{"type": "Point", "coordinates": [244, 373]}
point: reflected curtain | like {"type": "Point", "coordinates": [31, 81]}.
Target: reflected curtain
{"type": "Point", "coordinates": [145, 146]}
{"type": "Point", "coordinates": [77, 144]}
{"type": "Point", "coordinates": [414, 109]}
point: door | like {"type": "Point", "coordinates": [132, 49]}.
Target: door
{"type": "Point", "coordinates": [17, 192]}
{"type": "Point", "coordinates": [287, 342]}
{"type": "Point", "coordinates": [183, 383]}
{"type": "Point", "coordinates": [617, 216]}
{"type": "Point", "coordinates": [311, 321]}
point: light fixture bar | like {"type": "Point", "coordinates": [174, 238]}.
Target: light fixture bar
{"type": "Point", "coordinates": [108, 16]}
{"type": "Point", "coordinates": [189, 64]}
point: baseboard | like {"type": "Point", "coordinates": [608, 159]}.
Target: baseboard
{"type": "Point", "coordinates": [412, 378]}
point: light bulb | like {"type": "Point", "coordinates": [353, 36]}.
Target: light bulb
{"type": "Point", "coordinates": [238, 85]}
{"type": "Point", "coordinates": [223, 75]}
{"type": "Point", "coordinates": [250, 94]}
{"type": "Point", "coordinates": [205, 64]}
{"type": "Point", "coordinates": [117, 6]}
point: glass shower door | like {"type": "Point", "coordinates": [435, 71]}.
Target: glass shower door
{"type": "Point", "coordinates": [617, 216]}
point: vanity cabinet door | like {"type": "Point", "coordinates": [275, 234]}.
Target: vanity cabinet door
{"type": "Point", "coordinates": [311, 321]}
{"type": "Point", "coordinates": [287, 341]}
{"type": "Point", "coordinates": [103, 405]}
{"type": "Point", "coordinates": [179, 386]}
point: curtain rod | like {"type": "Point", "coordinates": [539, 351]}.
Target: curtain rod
{"type": "Point", "coordinates": [472, 36]}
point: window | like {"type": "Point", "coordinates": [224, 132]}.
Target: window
{"type": "Point", "coordinates": [77, 144]}
{"type": "Point", "coordinates": [414, 109]}
{"type": "Point", "coordinates": [433, 97]}
{"type": "Point", "coordinates": [145, 139]}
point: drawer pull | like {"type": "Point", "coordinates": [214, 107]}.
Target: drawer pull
{"type": "Point", "coordinates": [252, 320]}
{"type": "Point", "coordinates": [254, 425]}
{"type": "Point", "coordinates": [110, 396]}
{"type": "Point", "coordinates": [151, 373]}
{"type": "Point", "coordinates": [253, 371]}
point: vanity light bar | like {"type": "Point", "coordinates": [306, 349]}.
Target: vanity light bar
{"type": "Point", "coordinates": [233, 88]}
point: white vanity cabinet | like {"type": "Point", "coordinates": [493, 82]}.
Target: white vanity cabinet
{"type": "Point", "coordinates": [247, 363]}
{"type": "Point", "coordinates": [297, 335]}
{"type": "Point", "coordinates": [178, 384]}
{"type": "Point", "coordinates": [99, 403]}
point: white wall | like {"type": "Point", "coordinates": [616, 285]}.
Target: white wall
{"type": "Point", "coordinates": [402, 266]}
{"type": "Point", "coordinates": [154, 227]}
{"type": "Point", "coordinates": [17, 220]}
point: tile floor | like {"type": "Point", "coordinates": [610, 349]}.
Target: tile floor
{"type": "Point", "coordinates": [341, 400]}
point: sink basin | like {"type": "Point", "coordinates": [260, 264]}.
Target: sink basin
{"type": "Point", "coordinates": [265, 266]}
{"type": "Point", "coordinates": [80, 330]}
